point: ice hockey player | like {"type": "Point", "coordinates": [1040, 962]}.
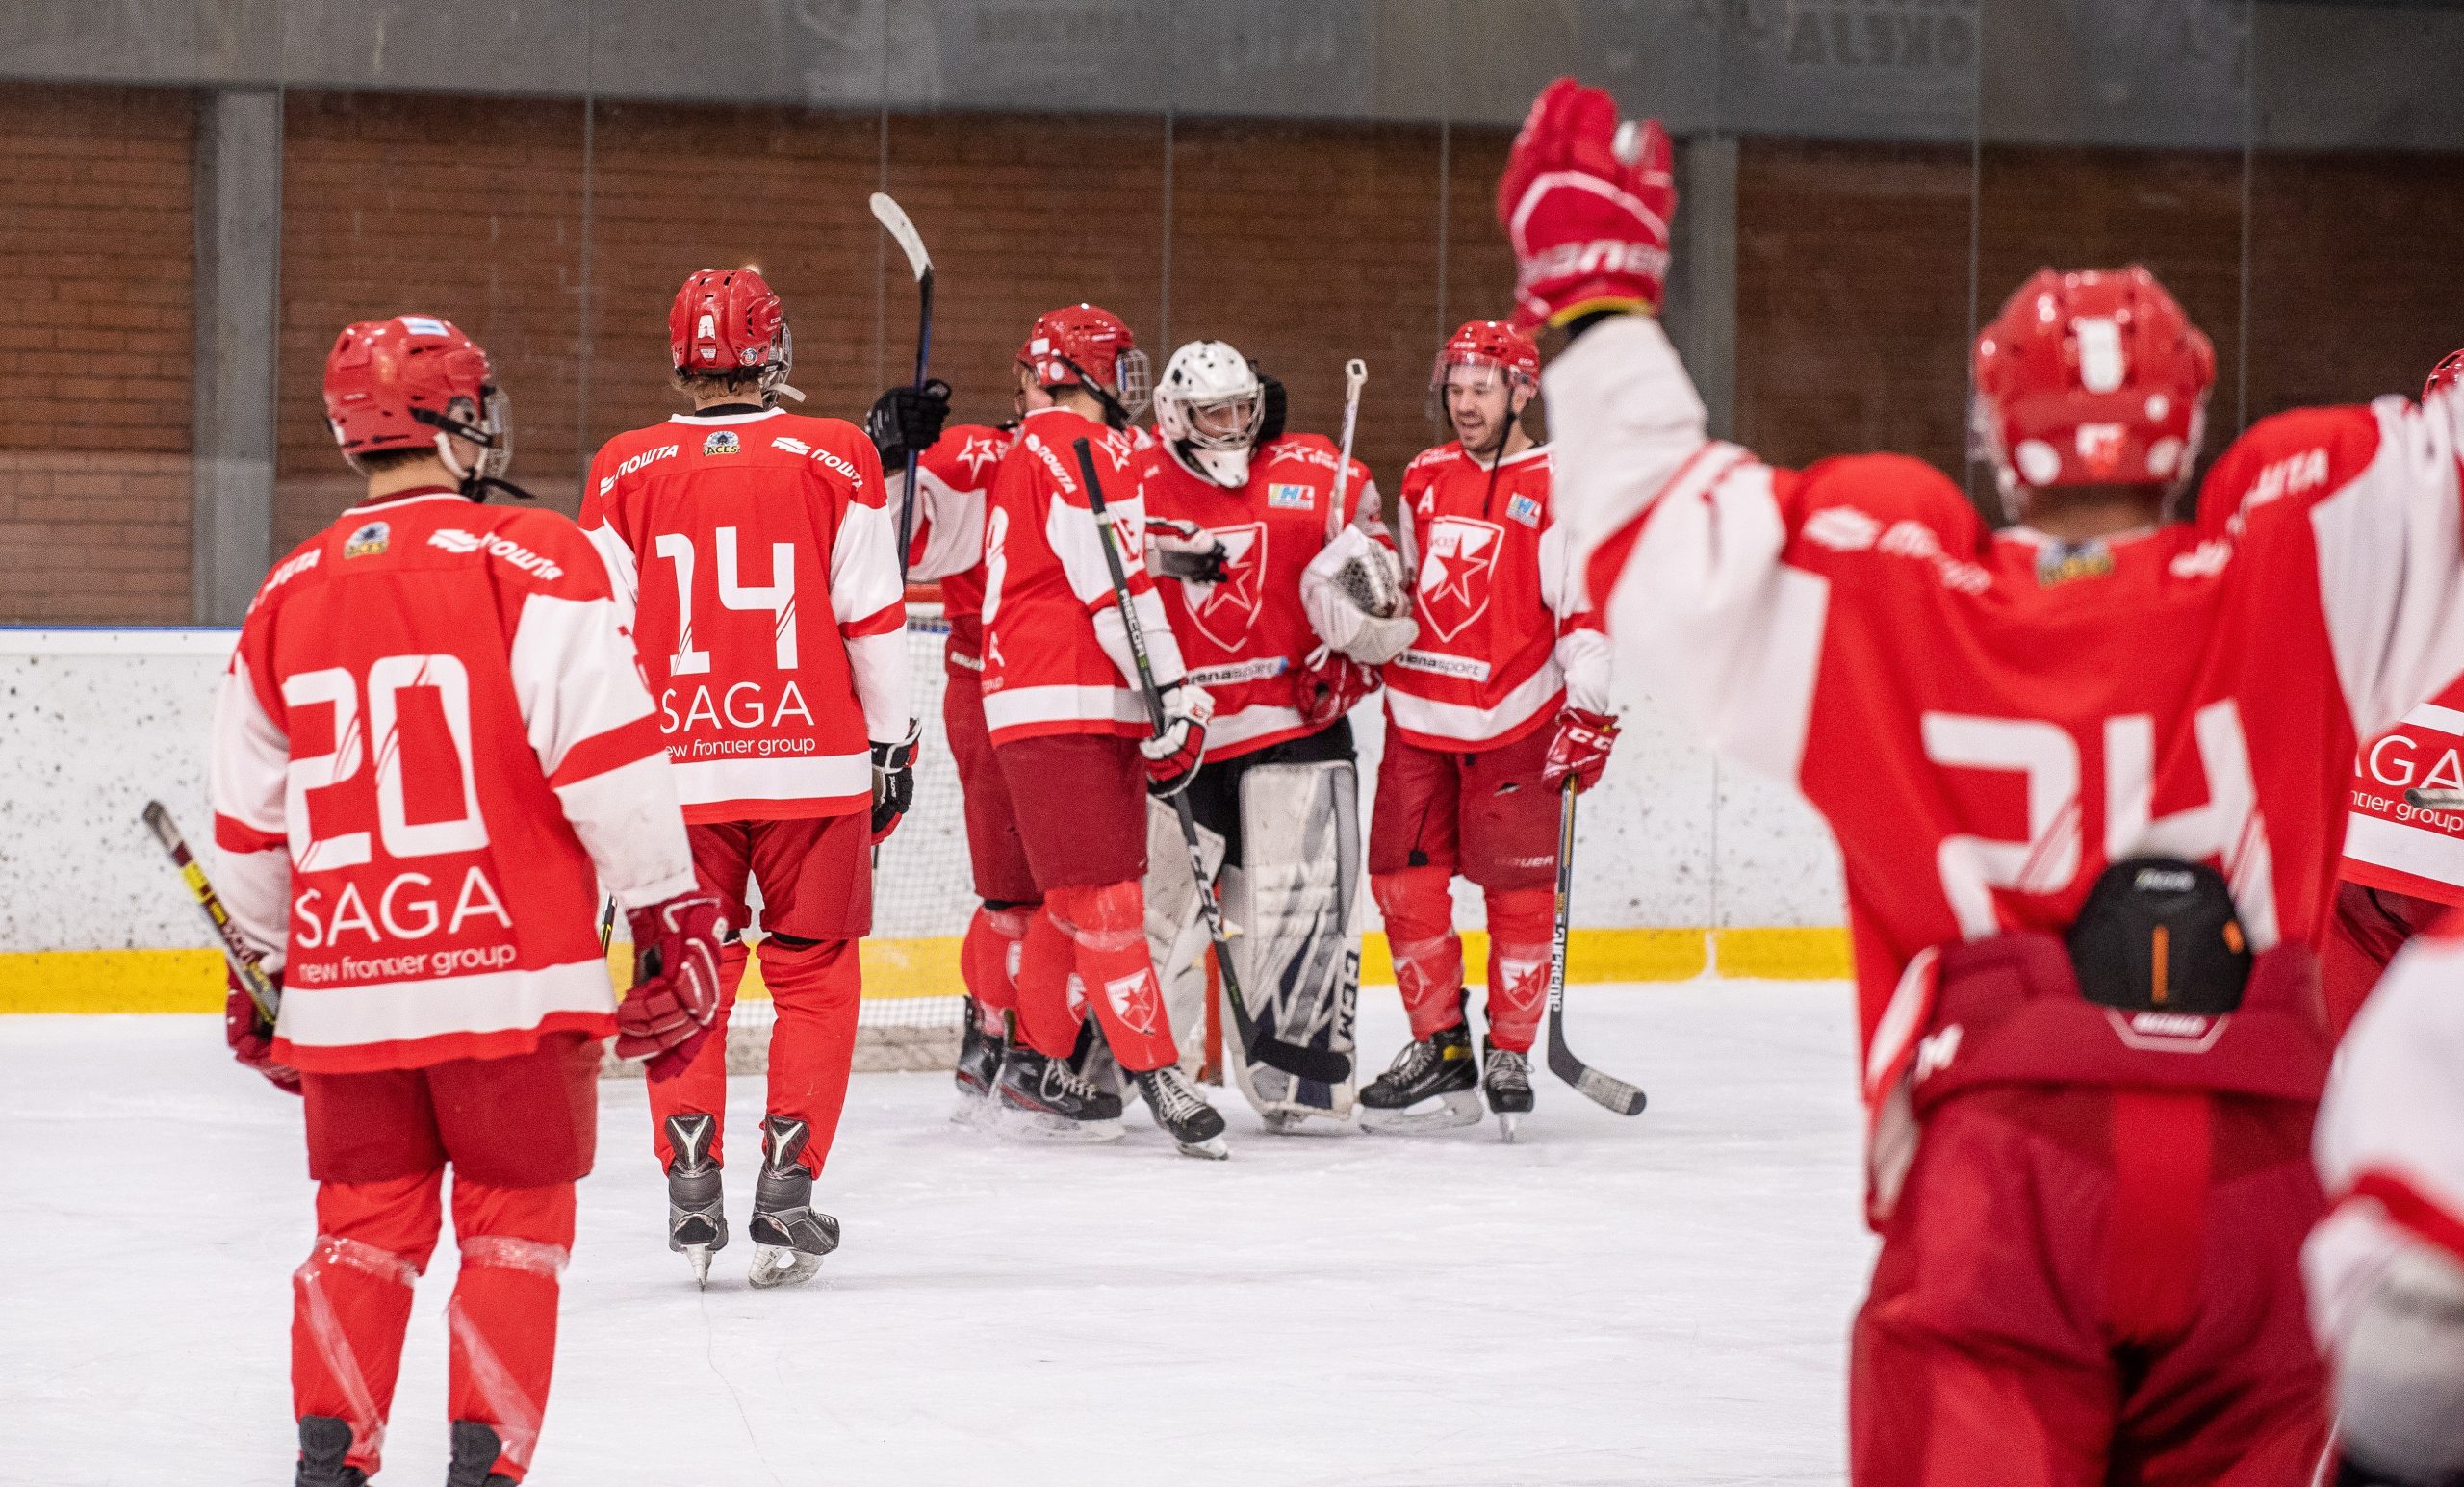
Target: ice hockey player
{"type": "Point", "coordinates": [1499, 704]}
{"type": "Point", "coordinates": [953, 480]}
{"type": "Point", "coordinates": [1072, 736]}
{"type": "Point", "coordinates": [1238, 513]}
{"type": "Point", "coordinates": [2386, 1267]}
{"type": "Point", "coordinates": [430, 741]}
{"type": "Point", "coordinates": [762, 551]}
{"type": "Point", "coordinates": [2404, 866]}
{"type": "Point", "coordinates": [2087, 777]}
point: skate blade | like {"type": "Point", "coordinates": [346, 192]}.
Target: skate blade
{"type": "Point", "coordinates": [1212, 1149]}
{"type": "Point", "coordinates": [1507, 1120]}
{"type": "Point", "coordinates": [973, 1108]}
{"type": "Point", "coordinates": [775, 1265]}
{"type": "Point", "coordinates": [1453, 1111]}
{"type": "Point", "coordinates": [1040, 1125]}
{"type": "Point", "coordinates": [700, 1255]}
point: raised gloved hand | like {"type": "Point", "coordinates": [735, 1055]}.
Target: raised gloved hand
{"type": "Point", "coordinates": [907, 420]}
{"type": "Point", "coordinates": [675, 998]}
{"type": "Point", "coordinates": [1587, 203]}
{"type": "Point", "coordinates": [893, 783]}
{"type": "Point", "coordinates": [1358, 599]}
{"type": "Point", "coordinates": [1328, 686]}
{"type": "Point", "coordinates": [1580, 750]}
{"type": "Point", "coordinates": [250, 1035]}
{"type": "Point", "coordinates": [1174, 754]}
{"type": "Point", "coordinates": [1185, 550]}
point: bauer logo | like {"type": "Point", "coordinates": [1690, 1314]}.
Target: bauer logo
{"type": "Point", "coordinates": [1524, 510]}
{"type": "Point", "coordinates": [1290, 497]}
{"type": "Point", "coordinates": [721, 442]}
{"type": "Point", "coordinates": [369, 541]}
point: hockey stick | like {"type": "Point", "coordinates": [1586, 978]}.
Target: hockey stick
{"type": "Point", "coordinates": [894, 219]}
{"type": "Point", "coordinates": [1594, 1086]}
{"type": "Point", "coordinates": [1325, 1066]}
{"type": "Point", "coordinates": [1355, 372]}
{"type": "Point", "coordinates": [259, 986]}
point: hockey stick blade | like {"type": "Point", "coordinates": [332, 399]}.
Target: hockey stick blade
{"type": "Point", "coordinates": [244, 960]}
{"type": "Point", "coordinates": [894, 219]}
{"type": "Point", "coordinates": [1322, 1065]}
{"type": "Point", "coordinates": [1591, 1084]}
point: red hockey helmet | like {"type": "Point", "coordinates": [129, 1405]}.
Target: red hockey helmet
{"type": "Point", "coordinates": [409, 382]}
{"type": "Point", "coordinates": [1082, 346]}
{"type": "Point", "coordinates": [2092, 378]}
{"type": "Point", "coordinates": [729, 320]}
{"type": "Point", "coordinates": [1491, 344]}
{"type": "Point", "coordinates": [2449, 373]}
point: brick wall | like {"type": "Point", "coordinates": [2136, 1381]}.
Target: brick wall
{"type": "Point", "coordinates": [96, 247]}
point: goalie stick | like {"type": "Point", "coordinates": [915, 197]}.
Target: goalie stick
{"type": "Point", "coordinates": [252, 976]}
{"type": "Point", "coordinates": [1355, 372]}
{"type": "Point", "coordinates": [1324, 1065]}
{"type": "Point", "coordinates": [893, 221]}
{"type": "Point", "coordinates": [1594, 1086]}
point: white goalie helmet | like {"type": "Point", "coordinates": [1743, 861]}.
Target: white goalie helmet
{"type": "Point", "coordinates": [1209, 406]}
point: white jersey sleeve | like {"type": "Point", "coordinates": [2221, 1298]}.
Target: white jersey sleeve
{"type": "Point", "coordinates": [247, 783]}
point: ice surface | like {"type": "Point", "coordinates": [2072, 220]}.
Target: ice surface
{"type": "Point", "coordinates": [1657, 1300]}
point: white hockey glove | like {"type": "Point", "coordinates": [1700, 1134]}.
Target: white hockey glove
{"type": "Point", "coordinates": [1185, 550]}
{"type": "Point", "coordinates": [1358, 599]}
{"type": "Point", "coordinates": [1174, 756]}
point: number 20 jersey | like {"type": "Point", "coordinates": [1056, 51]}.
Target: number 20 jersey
{"type": "Point", "coordinates": [759, 547]}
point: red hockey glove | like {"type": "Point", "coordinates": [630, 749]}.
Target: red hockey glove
{"type": "Point", "coordinates": [1174, 754]}
{"type": "Point", "coordinates": [1328, 686]}
{"type": "Point", "coordinates": [1580, 750]}
{"type": "Point", "coordinates": [1587, 204]}
{"type": "Point", "coordinates": [893, 783]}
{"type": "Point", "coordinates": [675, 982]}
{"type": "Point", "coordinates": [250, 1035]}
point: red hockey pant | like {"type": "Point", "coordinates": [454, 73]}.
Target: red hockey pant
{"type": "Point", "coordinates": [2364, 930]}
{"type": "Point", "coordinates": [1485, 815]}
{"type": "Point", "coordinates": [518, 1133]}
{"type": "Point", "coordinates": [816, 902]}
{"type": "Point", "coordinates": [998, 857]}
{"type": "Point", "coordinates": [2093, 1288]}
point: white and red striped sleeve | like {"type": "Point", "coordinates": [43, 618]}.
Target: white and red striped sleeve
{"type": "Point", "coordinates": [590, 721]}
{"type": "Point", "coordinates": [866, 596]}
{"type": "Point", "coordinates": [949, 524]}
{"type": "Point", "coordinates": [246, 784]}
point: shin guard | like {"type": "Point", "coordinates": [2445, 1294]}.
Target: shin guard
{"type": "Point", "coordinates": [1107, 930]}
{"type": "Point", "coordinates": [816, 987]}
{"type": "Point", "coordinates": [1049, 1009]}
{"type": "Point", "coordinates": [701, 1088]}
{"type": "Point", "coordinates": [988, 958]}
{"type": "Point", "coordinates": [503, 1317]}
{"type": "Point", "coordinates": [1426, 952]}
{"type": "Point", "coordinates": [352, 1301]}
{"type": "Point", "coordinates": [1521, 925]}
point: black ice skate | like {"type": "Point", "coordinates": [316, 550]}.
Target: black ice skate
{"type": "Point", "coordinates": [979, 1065]}
{"type": "Point", "coordinates": [697, 1220]}
{"type": "Point", "coordinates": [1183, 1113]}
{"type": "Point", "coordinates": [789, 1239]}
{"type": "Point", "coordinates": [1044, 1096]}
{"type": "Point", "coordinates": [323, 1443]}
{"type": "Point", "coordinates": [1439, 1068]}
{"type": "Point", "coordinates": [476, 1447]}
{"type": "Point", "coordinates": [1505, 1077]}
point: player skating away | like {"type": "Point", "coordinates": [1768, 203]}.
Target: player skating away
{"type": "Point", "coordinates": [430, 738]}
{"type": "Point", "coordinates": [1070, 735]}
{"type": "Point", "coordinates": [2386, 1268]}
{"type": "Point", "coordinates": [954, 480]}
{"type": "Point", "coordinates": [2087, 777]}
{"type": "Point", "coordinates": [2404, 864]}
{"type": "Point", "coordinates": [764, 556]}
{"type": "Point", "coordinates": [1237, 517]}
{"type": "Point", "coordinates": [1500, 700]}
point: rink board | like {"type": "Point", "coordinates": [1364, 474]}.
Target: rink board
{"type": "Point", "coordinates": [190, 981]}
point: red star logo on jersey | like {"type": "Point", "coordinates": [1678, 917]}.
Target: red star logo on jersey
{"type": "Point", "coordinates": [1454, 574]}
{"type": "Point", "coordinates": [1225, 611]}
{"type": "Point", "coordinates": [978, 452]}
{"type": "Point", "coordinates": [1135, 998]}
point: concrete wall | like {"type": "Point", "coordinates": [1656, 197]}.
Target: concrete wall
{"type": "Point", "coordinates": [98, 722]}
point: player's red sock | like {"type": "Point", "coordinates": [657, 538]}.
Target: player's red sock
{"type": "Point", "coordinates": [989, 956]}
{"type": "Point", "coordinates": [503, 1317]}
{"type": "Point", "coordinates": [701, 1088]}
{"type": "Point", "coordinates": [1047, 1019]}
{"type": "Point", "coordinates": [1421, 939]}
{"type": "Point", "coordinates": [1107, 928]}
{"type": "Point", "coordinates": [352, 1301]}
{"type": "Point", "coordinates": [1522, 924]}
{"type": "Point", "coordinates": [816, 987]}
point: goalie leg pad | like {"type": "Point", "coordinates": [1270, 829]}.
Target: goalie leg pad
{"type": "Point", "coordinates": [1293, 895]}
{"type": "Point", "coordinates": [1107, 929]}
{"type": "Point", "coordinates": [1427, 953]}
{"type": "Point", "coordinates": [1521, 925]}
{"type": "Point", "coordinates": [1175, 929]}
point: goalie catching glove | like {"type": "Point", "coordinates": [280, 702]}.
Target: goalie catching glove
{"type": "Point", "coordinates": [907, 420]}
{"type": "Point", "coordinates": [1175, 753]}
{"type": "Point", "coordinates": [1358, 600]}
{"type": "Point", "coordinates": [250, 1035]}
{"type": "Point", "coordinates": [675, 982]}
{"type": "Point", "coordinates": [893, 783]}
{"type": "Point", "coordinates": [1587, 202]}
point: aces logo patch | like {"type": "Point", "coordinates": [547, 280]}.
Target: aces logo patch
{"type": "Point", "coordinates": [1290, 497]}
{"type": "Point", "coordinates": [369, 541]}
{"type": "Point", "coordinates": [721, 442]}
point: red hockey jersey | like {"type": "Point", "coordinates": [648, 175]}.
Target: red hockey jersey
{"type": "Point", "coordinates": [430, 729]}
{"type": "Point", "coordinates": [1244, 639]}
{"type": "Point", "coordinates": [1056, 650]}
{"type": "Point", "coordinates": [1987, 721]}
{"type": "Point", "coordinates": [2392, 844]}
{"type": "Point", "coordinates": [1500, 627]}
{"type": "Point", "coordinates": [763, 554]}
{"type": "Point", "coordinates": [953, 484]}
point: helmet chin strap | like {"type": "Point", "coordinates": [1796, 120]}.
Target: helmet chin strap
{"type": "Point", "coordinates": [470, 482]}
{"type": "Point", "coordinates": [1115, 416]}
